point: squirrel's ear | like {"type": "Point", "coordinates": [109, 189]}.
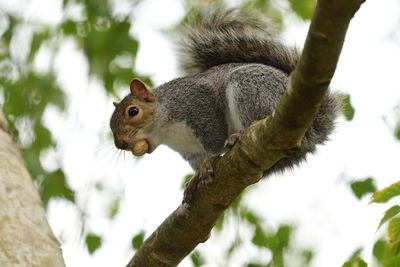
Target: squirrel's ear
{"type": "Point", "coordinates": [115, 104]}
{"type": "Point", "coordinates": [140, 90]}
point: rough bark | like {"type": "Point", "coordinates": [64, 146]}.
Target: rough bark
{"type": "Point", "coordinates": [263, 144]}
{"type": "Point", "coordinates": [25, 236]}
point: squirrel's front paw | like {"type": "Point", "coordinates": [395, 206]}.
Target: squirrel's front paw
{"type": "Point", "coordinates": [190, 188]}
{"type": "Point", "coordinates": [232, 140]}
{"type": "Point", "coordinates": [205, 178]}
{"type": "Point", "coordinates": [207, 171]}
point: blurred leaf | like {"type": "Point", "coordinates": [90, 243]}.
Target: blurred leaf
{"type": "Point", "coordinates": [268, 10]}
{"type": "Point", "coordinates": [116, 41]}
{"type": "Point", "coordinates": [393, 262]}
{"type": "Point", "coordinates": [394, 231]}
{"type": "Point", "coordinates": [307, 256]}
{"type": "Point", "coordinates": [33, 163]}
{"type": "Point", "coordinates": [385, 256]}
{"type": "Point", "coordinates": [303, 8]}
{"type": "Point", "coordinates": [235, 205]}
{"type": "Point", "coordinates": [30, 95]}
{"type": "Point", "coordinates": [379, 249]}
{"type": "Point", "coordinates": [255, 265]}
{"type": "Point", "coordinates": [260, 238]}
{"type": "Point", "coordinates": [220, 222]}
{"type": "Point", "coordinates": [186, 179]}
{"type": "Point", "coordinates": [361, 188]}
{"type": "Point", "coordinates": [233, 246]}
{"type": "Point", "coordinates": [283, 235]}
{"type": "Point", "coordinates": [113, 208]}
{"type": "Point", "coordinates": [12, 23]}
{"type": "Point", "coordinates": [43, 138]}
{"type": "Point", "coordinates": [249, 216]}
{"type": "Point", "coordinates": [347, 109]}
{"type": "Point", "coordinates": [99, 186]}
{"type": "Point", "coordinates": [37, 41]}
{"type": "Point", "coordinates": [386, 194]}
{"type": "Point", "coordinates": [356, 254]}
{"type": "Point", "coordinates": [55, 185]}
{"type": "Point", "coordinates": [397, 131]}
{"type": "Point", "coordinates": [390, 213]}
{"type": "Point", "coordinates": [137, 240]}
{"type": "Point", "coordinates": [65, 3]}
{"type": "Point", "coordinates": [356, 262]}
{"type": "Point", "coordinates": [275, 242]}
{"type": "Point", "coordinates": [69, 27]}
{"type": "Point", "coordinates": [197, 259]}
{"type": "Point", "coordinates": [97, 8]}
{"type": "Point", "coordinates": [93, 242]}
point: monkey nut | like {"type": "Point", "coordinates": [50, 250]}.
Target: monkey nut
{"type": "Point", "coordinates": [140, 148]}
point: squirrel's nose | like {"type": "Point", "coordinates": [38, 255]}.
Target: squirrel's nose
{"type": "Point", "coordinates": [121, 143]}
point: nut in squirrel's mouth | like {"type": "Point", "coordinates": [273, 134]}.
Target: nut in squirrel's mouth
{"type": "Point", "coordinates": [141, 147]}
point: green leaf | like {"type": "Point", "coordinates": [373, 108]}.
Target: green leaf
{"type": "Point", "coordinates": [220, 222]}
{"type": "Point", "coordinates": [114, 39]}
{"type": "Point", "coordinates": [113, 208]}
{"type": "Point", "coordinates": [99, 186]}
{"type": "Point", "coordinates": [385, 255]}
{"type": "Point", "coordinates": [233, 246]}
{"type": "Point", "coordinates": [43, 138]}
{"type": "Point", "coordinates": [267, 9]}
{"type": "Point", "coordinates": [283, 235]}
{"type": "Point", "coordinates": [33, 163]}
{"type": "Point", "coordinates": [394, 231]}
{"type": "Point", "coordinates": [249, 216]}
{"type": "Point", "coordinates": [260, 238]}
{"type": "Point", "coordinates": [307, 255]}
{"type": "Point", "coordinates": [386, 194]}
{"type": "Point", "coordinates": [379, 249]}
{"type": "Point", "coordinates": [55, 185]}
{"type": "Point", "coordinates": [347, 109]}
{"type": "Point", "coordinates": [37, 41]}
{"type": "Point", "coordinates": [137, 240]}
{"type": "Point", "coordinates": [356, 253]}
{"type": "Point", "coordinates": [390, 213]}
{"type": "Point", "coordinates": [303, 8]}
{"type": "Point", "coordinates": [69, 27]}
{"type": "Point", "coordinates": [361, 188]}
{"type": "Point", "coordinates": [397, 131]}
{"type": "Point", "coordinates": [186, 179]}
{"type": "Point", "coordinates": [65, 3]}
{"type": "Point", "coordinates": [197, 259]}
{"type": "Point", "coordinates": [355, 262]}
{"type": "Point", "coordinates": [252, 264]}
{"type": "Point", "coordinates": [236, 204]}
{"type": "Point", "coordinates": [93, 242]}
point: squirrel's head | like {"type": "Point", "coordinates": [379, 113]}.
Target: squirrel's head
{"type": "Point", "coordinates": [133, 120]}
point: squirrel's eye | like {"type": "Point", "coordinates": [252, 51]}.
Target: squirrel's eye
{"type": "Point", "coordinates": [133, 111]}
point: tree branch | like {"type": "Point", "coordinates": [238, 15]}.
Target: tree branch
{"type": "Point", "coordinates": [261, 145]}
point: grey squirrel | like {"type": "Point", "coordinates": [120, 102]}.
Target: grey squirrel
{"type": "Point", "coordinates": [236, 73]}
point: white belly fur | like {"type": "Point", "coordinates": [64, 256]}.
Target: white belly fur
{"type": "Point", "coordinates": [180, 137]}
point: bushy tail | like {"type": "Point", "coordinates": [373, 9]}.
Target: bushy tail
{"type": "Point", "coordinates": [218, 37]}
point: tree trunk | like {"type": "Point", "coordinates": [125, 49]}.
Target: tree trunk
{"type": "Point", "coordinates": [25, 235]}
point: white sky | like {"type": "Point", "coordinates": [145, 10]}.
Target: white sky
{"type": "Point", "coordinates": [316, 197]}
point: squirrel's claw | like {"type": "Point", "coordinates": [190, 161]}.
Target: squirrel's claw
{"type": "Point", "coordinates": [205, 178]}
{"type": "Point", "coordinates": [232, 140]}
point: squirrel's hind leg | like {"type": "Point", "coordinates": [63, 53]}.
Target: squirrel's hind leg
{"type": "Point", "coordinates": [204, 177]}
